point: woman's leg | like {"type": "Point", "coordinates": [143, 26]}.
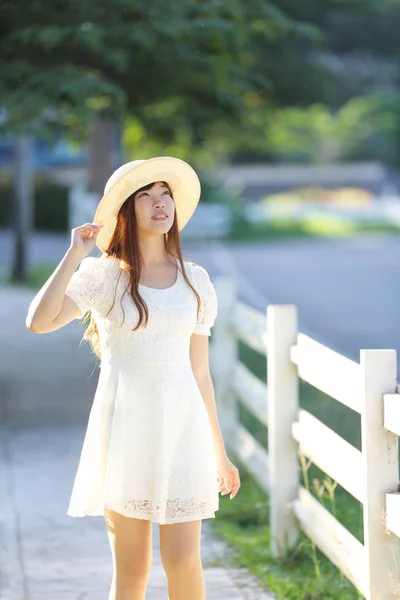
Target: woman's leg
{"type": "Point", "coordinates": [132, 554]}
{"type": "Point", "coordinates": [181, 558]}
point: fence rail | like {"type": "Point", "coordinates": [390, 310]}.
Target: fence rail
{"type": "Point", "coordinates": [370, 475]}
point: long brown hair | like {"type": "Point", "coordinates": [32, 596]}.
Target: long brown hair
{"type": "Point", "coordinates": [124, 246]}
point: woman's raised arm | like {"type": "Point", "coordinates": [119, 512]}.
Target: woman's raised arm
{"type": "Point", "coordinates": [51, 309]}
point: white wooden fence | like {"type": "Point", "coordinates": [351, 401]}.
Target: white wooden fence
{"type": "Point", "coordinates": [370, 475]}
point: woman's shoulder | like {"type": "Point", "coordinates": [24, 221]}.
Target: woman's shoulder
{"type": "Point", "coordinates": [108, 263]}
{"type": "Point", "coordinates": [100, 268]}
{"type": "Point", "coordinates": [198, 272]}
{"type": "Point", "coordinates": [90, 265]}
{"type": "Point", "coordinates": [95, 261]}
{"type": "Point", "coordinates": [194, 267]}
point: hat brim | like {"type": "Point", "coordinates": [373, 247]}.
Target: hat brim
{"type": "Point", "coordinates": [180, 176]}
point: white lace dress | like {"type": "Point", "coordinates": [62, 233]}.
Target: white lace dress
{"type": "Point", "coordinates": [148, 451]}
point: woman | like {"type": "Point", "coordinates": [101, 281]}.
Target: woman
{"type": "Point", "coordinates": [153, 450]}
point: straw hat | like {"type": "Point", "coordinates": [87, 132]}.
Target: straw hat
{"type": "Point", "coordinates": [127, 179]}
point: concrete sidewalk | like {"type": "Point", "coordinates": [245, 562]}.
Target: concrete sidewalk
{"type": "Point", "coordinates": [47, 385]}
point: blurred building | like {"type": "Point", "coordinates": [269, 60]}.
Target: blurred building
{"type": "Point", "coordinates": [62, 161]}
{"type": "Point", "coordinates": [255, 182]}
{"type": "Point", "coordinates": [66, 163]}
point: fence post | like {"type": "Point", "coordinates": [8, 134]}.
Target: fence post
{"type": "Point", "coordinates": [380, 457]}
{"type": "Point", "coordinates": [224, 356]}
{"type": "Point", "coordinates": [283, 406]}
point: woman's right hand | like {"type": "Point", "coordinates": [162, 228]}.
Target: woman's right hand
{"type": "Point", "coordinates": [83, 238]}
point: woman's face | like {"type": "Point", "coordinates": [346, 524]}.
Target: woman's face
{"type": "Point", "coordinates": [152, 202]}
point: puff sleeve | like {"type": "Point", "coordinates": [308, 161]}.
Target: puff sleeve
{"type": "Point", "coordinates": [86, 286]}
{"type": "Point", "coordinates": [209, 302]}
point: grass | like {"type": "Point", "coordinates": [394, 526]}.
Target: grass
{"type": "Point", "coordinates": [244, 521]}
{"type": "Point", "coordinates": [317, 225]}
{"type": "Point", "coordinates": [37, 276]}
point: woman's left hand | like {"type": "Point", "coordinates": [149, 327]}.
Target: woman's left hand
{"type": "Point", "coordinates": [228, 475]}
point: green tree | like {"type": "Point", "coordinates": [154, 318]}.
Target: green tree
{"type": "Point", "coordinates": [337, 92]}
{"type": "Point", "coordinates": [364, 127]}
{"type": "Point", "coordinates": [173, 65]}
{"type": "Point", "coordinates": [167, 63]}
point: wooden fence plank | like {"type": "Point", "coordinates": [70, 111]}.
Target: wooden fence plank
{"type": "Point", "coordinates": [249, 325]}
{"type": "Point", "coordinates": [283, 406]}
{"type": "Point", "coordinates": [334, 540]}
{"type": "Point", "coordinates": [380, 454]}
{"type": "Point", "coordinates": [331, 453]}
{"type": "Point", "coordinates": [328, 371]}
{"type": "Point", "coordinates": [393, 512]}
{"type": "Point", "coordinates": [251, 391]}
{"type": "Point", "coordinates": [253, 455]}
{"type": "Point", "coordinates": [225, 356]}
{"type": "Point", "coordinates": [391, 413]}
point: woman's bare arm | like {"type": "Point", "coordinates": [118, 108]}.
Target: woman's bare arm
{"type": "Point", "coordinates": [51, 308]}
{"type": "Point", "coordinates": [199, 358]}
{"type": "Point", "coordinates": [47, 304]}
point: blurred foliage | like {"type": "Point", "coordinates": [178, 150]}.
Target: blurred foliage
{"type": "Point", "coordinates": [348, 106]}
{"type": "Point", "coordinates": [348, 197]}
{"type": "Point", "coordinates": [365, 127]}
{"type": "Point", "coordinates": [317, 225]}
{"type": "Point", "coordinates": [358, 52]}
{"type": "Point", "coordinates": [214, 193]}
{"type": "Point", "coordinates": [50, 205]}
{"type": "Point", "coordinates": [176, 65]}
{"type": "Point", "coordinates": [211, 82]}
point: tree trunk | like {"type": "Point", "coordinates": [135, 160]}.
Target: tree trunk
{"type": "Point", "coordinates": [104, 153]}
{"type": "Point", "coordinates": [22, 206]}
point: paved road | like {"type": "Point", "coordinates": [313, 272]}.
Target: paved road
{"type": "Point", "coordinates": [347, 291]}
{"type": "Point", "coordinates": [46, 555]}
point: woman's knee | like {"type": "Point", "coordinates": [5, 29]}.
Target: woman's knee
{"type": "Point", "coordinates": [131, 547]}
{"type": "Point", "coordinates": [179, 561]}
{"type": "Point", "coordinates": [180, 546]}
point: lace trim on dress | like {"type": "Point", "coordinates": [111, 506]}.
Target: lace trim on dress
{"type": "Point", "coordinates": [173, 510]}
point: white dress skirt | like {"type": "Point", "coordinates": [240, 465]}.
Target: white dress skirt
{"type": "Point", "coordinates": [148, 450]}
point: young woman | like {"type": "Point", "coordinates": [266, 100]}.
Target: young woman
{"type": "Point", "coordinates": [153, 449]}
